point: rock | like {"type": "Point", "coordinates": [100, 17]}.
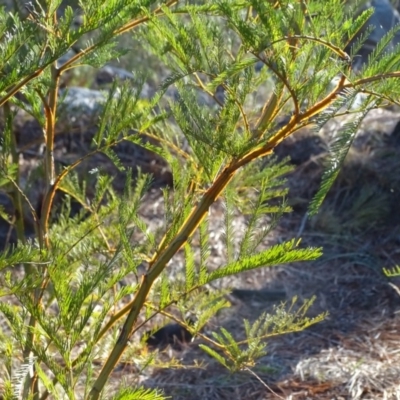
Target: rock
{"type": "Point", "coordinates": [109, 73]}
{"type": "Point", "coordinates": [80, 101]}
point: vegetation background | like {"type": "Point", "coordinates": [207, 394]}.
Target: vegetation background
{"type": "Point", "coordinates": [352, 353]}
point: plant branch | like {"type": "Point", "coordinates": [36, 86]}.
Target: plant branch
{"type": "Point", "coordinates": [372, 79]}
{"type": "Point", "coordinates": [127, 27]}
{"type": "Point", "coordinates": [20, 85]}
{"type": "Point", "coordinates": [50, 108]}
{"type": "Point", "coordinates": [263, 383]}
{"type": "Point", "coordinates": [284, 81]}
{"type": "Point", "coordinates": [158, 264]}
{"type": "Point", "coordinates": [337, 50]}
{"type": "Point", "coordinates": [160, 260]}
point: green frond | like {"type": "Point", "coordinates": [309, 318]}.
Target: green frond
{"type": "Point", "coordinates": [152, 121]}
{"type": "Point", "coordinates": [17, 48]}
{"type": "Point", "coordinates": [339, 150]}
{"type": "Point", "coordinates": [278, 254]}
{"type": "Point", "coordinates": [214, 354]}
{"type": "Point", "coordinates": [189, 267]}
{"type": "Point", "coordinates": [197, 121]}
{"type": "Point", "coordinates": [6, 140]}
{"type": "Point", "coordinates": [102, 188]}
{"type": "Point", "coordinates": [124, 99]}
{"type": "Point", "coordinates": [22, 254]}
{"type": "Point", "coordinates": [128, 215]}
{"type": "Point", "coordinates": [75, 189]}
{"type": "Point", "coordinates": [240, 354]}
{"type": "Point", "coordinates": [113, 156]}
{"type": "Point", "coordinates": [231, 71]}
{"type": "Point", "coordinates": [262, 194]}
{"type": "Point", "coordinates": [353, 27]}
{"type": "Point", "coordinates": [378, 59]}
{"type": "Point", "coordinates": [228, 230]}
{"type": "Point", "coordinates": [15, 321]}
{"type": "Point", "coordinates": [33, 104]}
{"type": "Point", "coordinates": [205, 249]}
{"type": "Point", "coordinates": [227, 340]}
{"type": "Point", "coordinates": [203, 275]}
{"type": "Point", "coordinates": [165, 291]}
{"type": "Point", "coordinates": [138, 394]}
{"type": "Point", "coordinates": [102, 55]}
{"type": "Point", "coordinates": [175, 77]}
{"type": "Point", "coordinates": [395, 271]}
{"type": "Point", "coordinates": [8, 392]}
{"type": "Point", "coordinates": [20, 375]}
{"type": "Point", "coordinates": [205, 304]}
{"type": "Point", "coordinates": [359, 41]}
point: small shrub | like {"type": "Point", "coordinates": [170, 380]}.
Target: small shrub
{"type": "Point", "coordinates": [67, 310]}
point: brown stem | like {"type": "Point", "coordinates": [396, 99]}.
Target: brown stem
{"type": "Point", "coordinates": [337, 50]}
{"type": "Point", "coordinates": [157, 266]}
{"type": "Point", "coordinates": [50, 108]}
{"type": "Point", "coordinates": [191, 223]}
{"type": "Point", "coordinates": [18, 86]}
{"type": "Point", "coordinates": [127, 27]}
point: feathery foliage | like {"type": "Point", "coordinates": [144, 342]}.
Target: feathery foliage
{"type": "Point", "coordinates": [77, 293]}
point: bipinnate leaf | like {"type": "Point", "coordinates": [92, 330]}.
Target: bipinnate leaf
{"type": "Point", "coordinates": [276, 255]}
{"type": "Point", "coordinates": [138, 394]}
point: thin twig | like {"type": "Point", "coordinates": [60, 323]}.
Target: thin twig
{"type": "Point", "coordinates": [263, 383]}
